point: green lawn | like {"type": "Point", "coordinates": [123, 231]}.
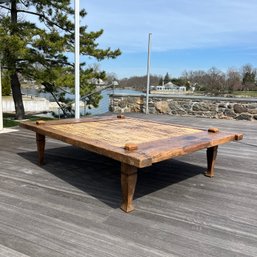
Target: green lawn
{"type": "Point", "coordinates": [9, 123]}
{"type": "Point", "coordinates": [245, 93]}
{"type": "Point", "coordinates": [9, 119]}
{"type": "Point", "coordinates": [252, 94]}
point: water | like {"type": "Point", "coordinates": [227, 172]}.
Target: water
{"type": "Point", "coordinates": [103, 104]}
{"type": "Point", "coordinates": [105, 101]}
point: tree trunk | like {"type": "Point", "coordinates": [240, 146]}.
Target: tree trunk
{"type": "Point", "coordinates": [15, 83]}
{"type": "Point", "coordinates": [17, 96]}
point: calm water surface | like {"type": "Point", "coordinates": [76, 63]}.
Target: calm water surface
{"type": "Point", "coordinates": [103, 105]}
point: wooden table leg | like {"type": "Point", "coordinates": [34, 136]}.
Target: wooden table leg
{"type": "Point", "coordinates": [128, 185]}
{"type": "Point", "coordinates": [40, 147]}
{"type": "Point", "coordinates": [211, 157]}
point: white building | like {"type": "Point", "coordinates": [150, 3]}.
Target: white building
{"type": "Point", "coordinates": [171, 86]}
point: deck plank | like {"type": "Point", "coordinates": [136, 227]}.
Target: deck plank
{"type": "Point", "coordinates": [70, 206]}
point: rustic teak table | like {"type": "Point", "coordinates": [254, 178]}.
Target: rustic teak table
{"type": "Point", "coordinates": [136, 143]}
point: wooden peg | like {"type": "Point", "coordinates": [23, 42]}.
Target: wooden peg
{"type": "Point", "coordinates": [130, 147]}
{"type": "Point", "coordinates": [40, 122]}
{"type": "Point", "coordinates": [121, 116]}
{"type": "Point", "coordinates": [213, 130]}
{"type": "Point", "coordinates": [239, 136]}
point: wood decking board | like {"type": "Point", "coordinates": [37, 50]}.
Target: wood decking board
{"type": "Point", "coordinates": [70, 206]}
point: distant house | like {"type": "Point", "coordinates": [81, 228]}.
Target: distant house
{"type": "Point", "coordinates": [171, 86]}
{"type": "Point", "coordinates": [182, 89]}
{"type": "Point", "coordinates": [160, 88]}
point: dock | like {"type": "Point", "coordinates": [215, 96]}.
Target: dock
{"type": "Point", "coordinates": [70, 206]}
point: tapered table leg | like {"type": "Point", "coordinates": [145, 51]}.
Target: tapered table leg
{"type": "Point", "coordinates": [40, 148]}
{"type": "Point", "coordinates": [128, 185]}
{"type": "Point", "coordinates": [211, 157]}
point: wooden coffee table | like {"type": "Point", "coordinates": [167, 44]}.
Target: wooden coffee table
{"type": "Point", "coordinates": [136, 143]}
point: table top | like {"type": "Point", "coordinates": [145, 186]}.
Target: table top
{"type": "Point", "coordinates": [133, 141]}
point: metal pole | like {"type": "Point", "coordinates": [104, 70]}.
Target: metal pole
{"type": "Point", "coordinates": [1, 104]}
{"type": "Point", "coordinates": [77, 60]}
{"type": "Point", "coordinates": [148, 74]}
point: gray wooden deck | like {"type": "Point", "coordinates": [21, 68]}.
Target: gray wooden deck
{"type": "Point", "coordinates": [70, 206]}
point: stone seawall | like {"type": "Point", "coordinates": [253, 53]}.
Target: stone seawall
{"type": "Point", "coordinates": [209, 107]}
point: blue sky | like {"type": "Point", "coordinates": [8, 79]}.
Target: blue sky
{"type": "Point", "coordinates": [186, 34]}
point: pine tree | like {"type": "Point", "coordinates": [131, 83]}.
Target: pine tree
{"type": "Point", "coordinates": [35, 39]}
{"type": "Point", "coordinates": [167, 78]}
{"type": "Point", "coordinates": [249, 77]}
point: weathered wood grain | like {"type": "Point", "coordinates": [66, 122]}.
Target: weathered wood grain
{"type": "Point", "coordinates": [211, 158]}
{"type": "Point", "coordinates": [40, 147]}
{"type": "Point", "coordinates": [128, 186]}
{"type": "Point", "coordinates": [155, 141]}
{"type": "Point", "coordinates": [70, 206]}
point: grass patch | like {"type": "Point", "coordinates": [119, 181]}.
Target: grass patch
{"type": "Point", "coordinates": [245, 93]}
{"type": "Point", "coordinates": [9, 123]}
{"type": "Point", "coordinates": [9, 119]}
{"type": "Point", "coordinates": [35, 118]}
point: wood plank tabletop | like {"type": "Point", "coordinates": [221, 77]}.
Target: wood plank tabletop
{"type": "Point", "coordinates": [154, 141]}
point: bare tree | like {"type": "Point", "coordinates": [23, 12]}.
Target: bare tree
{"type": "Point", "coordinates": [215, 81]}
{"type": "Point", "coordinates": [249, 77]}
{"type": "Point", "coordinates": [196, 78]}
{"type": "Point", "coordinates": [233, 80]}
{"type": "Point", "coordinates": [139, 82]}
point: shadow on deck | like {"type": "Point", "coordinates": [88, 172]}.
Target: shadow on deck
{"type": "Point", "coordinates": [70, 206]}
{"type": "Point", "coordinates": [99, 176]}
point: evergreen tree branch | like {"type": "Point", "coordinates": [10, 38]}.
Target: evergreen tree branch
{"type": "Point", "coordinates": [45, 18]}
{"type": "Point", "coordinates": [39, 50]}
{"type": "Point", "coordinates": [6, 8]}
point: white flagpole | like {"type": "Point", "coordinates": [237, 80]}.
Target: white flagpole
{"type": "Point", "coordinates": [77, 60]}
{"type": "Point", "coordinates": [148, 74]}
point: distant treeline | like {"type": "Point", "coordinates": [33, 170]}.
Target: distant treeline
{"type": "Point", "coordinates": [213, 81]}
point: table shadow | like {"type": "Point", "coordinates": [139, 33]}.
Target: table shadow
{"type": "Point", "coordinates": [99, 176]}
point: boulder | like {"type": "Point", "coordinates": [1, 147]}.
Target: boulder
{"type": "Point", "coordinates": [244, 116]}
{"type": "Point", "coordinates": [252, 111]}
{"type": "Point", "coordinates": [162, 107]}
{"type": "Point", "coordinates": [222, 105]}
{"type": "Point", "coordinates": [229, 113]}
{"type": "Point", "coordinates": [122, 103]}
{"type": "Point", "coordinates": [201, 107]}
{"type": "Point", "coordinates": [239, 108]}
